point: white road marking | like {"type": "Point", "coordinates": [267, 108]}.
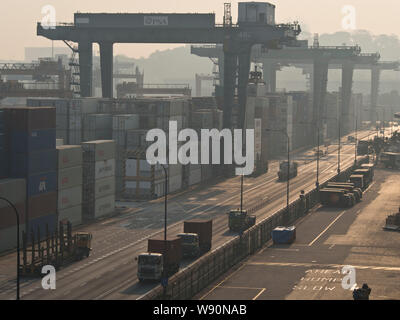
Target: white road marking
{"type": "Point", "coordinates": [312, 242]}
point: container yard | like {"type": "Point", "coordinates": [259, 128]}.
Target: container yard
{"type": "Point", "coordinates": [276, 160]}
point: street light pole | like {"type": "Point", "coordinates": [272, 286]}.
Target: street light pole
{"type": "Point", "coordinates": [355, 143]}
{"type": "Point", "coordinates": [317, 182]}
{"type": "Point", "coordinates": [165, 202]}
{"type": "Point", "coordinates": [241, 193]}
{"type": "Point", "coordinates": [338, 168]}
{"type": "Point", "coordinates": [164, 279]}
{"type": "Point", "coordinates": [288, 167]}
{"type": "Point", "coordinates": [17, 216]}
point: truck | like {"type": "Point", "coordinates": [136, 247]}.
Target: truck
{"type": "Point", "coordinates": [390, 160]}
{"type": "Point", "coordinates": [367, 173]}
{"type": "Point", "coordinates": [283, 170]}
{"type": "Point", "coordinates": [357, 180]}
{"type": "Point", "coordinates": [162, 259]}
{"type": "Point", "coordinates": [240, 220]}
{"type": "Point", "coordinates": [363, 147]}
{"type": "Point", "coordinates": [369, 166]}
{"type": "Point", "coordinates": [393, 222]}
{"type": "Point", "coordinates": [203, 230]}
{"type": "Point", "coordinates": [335, 197]}
{"type": "Point", "coordinates": [350, 187]}
{"type": "Point", "coordinates": [82, 245]}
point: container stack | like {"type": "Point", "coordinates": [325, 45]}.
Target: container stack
{"type": "Point", "coordinates": [77, 111]}
{"type": "Point", "coordinates": [14, 191]}
{"type": "Point", "coordinates": [142, 181]}
{"type": "Point", "coordinates": [33, 157]}
{"type": "Point", "coordinates": [98, 179]}
{"type": "Point", "coordinates": [3, 146]}
{"type": "Point", "coordinates": [70, 179]}
{"type": "Point", "coordinates": [122, 124]}
{"type": "Point", "coordinates": [97, 127]}
{"type": "Point", "coordinates": [62, 113]}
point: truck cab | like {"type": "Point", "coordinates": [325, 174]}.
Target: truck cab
{"type": "Point", "coordinates": [240, 221]}
{"type": "Point", "coordinates": [83, 242]}
{"type": "Point", "coordinates": [358, 180]}
{"type": "Point", "coordinates": [150, 266]}
{"type": "Point", "coordinates": [190, 244]}
{"type": "Point", "coordinates": [283, 170]}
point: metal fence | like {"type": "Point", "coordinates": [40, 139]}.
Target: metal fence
{"type": "Point", "coordinates": [188, 282]}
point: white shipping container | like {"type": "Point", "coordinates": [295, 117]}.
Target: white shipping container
{"type": "Point", "coordinates": [174, 183]}
{"type": "Point", "coordinates": [69, 156]}
{"type": "Point", "coordinates": [195, 176]}
{"type": "Point", "coordinates": [104, 206]}
{"type": "Point", "coordinates": [98, 150]}
{"type": "Point", "coordinates": [104, 187]}
{"type": "Point", "coordinates": [70, 177]}
{"type": "Point", "coordinates": [104, 169]}
{"type": "Point", "coordinates": [73, 215]}
{"type": "Point", "coordinates": [125, 122]}
{"type": "Point", "coordinates": [70, 197]}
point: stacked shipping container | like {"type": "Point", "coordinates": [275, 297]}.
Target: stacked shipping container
{"type": "Point", "coordinates": [13, 190]}
{"type": "Point", "coordinates": [70, 178]}
{"type": "Point", "coordinates": [121, 125]}
{"type": "Point", "coordinates": [98, 178]}
{"type": "Point", "coordinates": [3, 146]}
{"type": "Point", "coordinates": [33, 157]}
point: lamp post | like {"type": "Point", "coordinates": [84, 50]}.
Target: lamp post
{"type": "Point", "coordinates": [165, 201]}
{"type": "Point", "coordinates": [164, 279]}
{"type": "Point", "coordinates": [288, 167]}
{"type": "Point", "coordinates": [318, 137]}
{"type": "Point", "coordinates": [17, 216]}
{"type": "Point", "coordinates": [339, 144]}
{"type": "Point", "coordinates": [241, 193]}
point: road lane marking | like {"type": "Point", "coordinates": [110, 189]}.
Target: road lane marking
{"type": "Point", "coordinates": [319, 265]}
{"type": "Point", "coordinates": [259, 294]}
{"type": "Point", "coordinates": [312, 242]}
{"type": "Point", "coordinates": [219, 284]}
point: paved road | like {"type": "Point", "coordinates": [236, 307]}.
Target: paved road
{"type": "Point", "coordinates": [327, 240]}
{"type": "Point", "coordinates": [110, 271]}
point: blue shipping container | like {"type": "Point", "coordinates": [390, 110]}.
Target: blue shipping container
{"type": "Point", "coordinates": [25, 164]}
{"type": "Point", "coordinates": [2, 141]}
{"type": "Point", "coordinates": [32, 141]}
{"type": "Point", "coordinates": [41, 183]}
{"type": "Point", "coordinates": [4, 168]}
{"type": "Point", "coordinates": [34, 224]}
{"type": "Point", "coordinates": [284, 235]}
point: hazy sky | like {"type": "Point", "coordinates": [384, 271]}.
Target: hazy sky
{"type": "Point", "coordinates": [19, 17]}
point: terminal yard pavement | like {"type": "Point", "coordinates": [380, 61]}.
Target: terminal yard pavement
{"type": "Point", "coordinates": [327, 240]}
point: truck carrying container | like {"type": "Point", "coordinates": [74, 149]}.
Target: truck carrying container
{"type": "Point", "coordinates": [347, 186]}
{"type": "Point", "coordinates": [203, 228]}
{"type": "Point", "coordinates": [362, 147]}
{"type": "Point", "coordinates": [334, 197]}
{"type": "Point", "coordinates": [171, 251]}
{"type": "Point", "coordinates": [368, 175]}
{"type": "Point", "coordinates": [284, 235]}
{"type": "Point", "coordinates": [357, 180]}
